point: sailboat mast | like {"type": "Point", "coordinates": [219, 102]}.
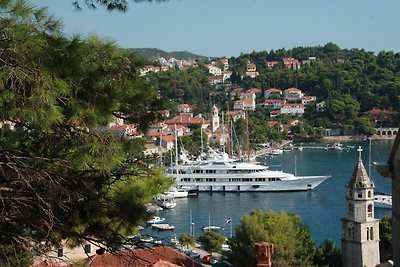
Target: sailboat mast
{"type": "Point", "coordinates": [223, 132]}
{"type": "Point", "coordinates": [176, 154]}
{"type": "Point", "coordinates": [247, 137]}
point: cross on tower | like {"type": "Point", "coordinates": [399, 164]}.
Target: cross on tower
{"type": "Point", "coordinates": [359, 151]}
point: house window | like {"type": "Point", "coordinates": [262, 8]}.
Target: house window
{"type": "Point", "coordinates": [60, 252]}
{"type": "Point", "coordinates": [87, 248]}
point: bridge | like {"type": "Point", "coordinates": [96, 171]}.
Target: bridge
{"type": "Point", "coordinates": [387, 131]}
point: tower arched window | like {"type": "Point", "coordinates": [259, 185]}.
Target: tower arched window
{"type": "Point", "coordinates": [367, 233]}
{"type": "Point", "coordinates": [349, 233]}
{"type": "Point", "coordinates": [353, 233]}
{"type": "Point", "coordinates": [370, 210]}
{"type": "Point", "coordinates": [371, 233]}
{"type": "Point", "coordinates": [369, 193]}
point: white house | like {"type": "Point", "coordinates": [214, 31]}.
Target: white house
{"type": "Point", "coordinates": [213, 80]}
{"type": "Point", "coordinates": [214, 70]}
{"type": "Point", "coordinates": [273, 103]}
{"type": "Point", "coordinates": [185, 108]}
{"type": "Point", "coordinates": [293, 109]}
{"type": "Point", "coordinates": [273, 93]}
{"type": "Point", "coordinates": [292, 94]}
{"type": "Point", "coordinates": [308, 99]}
{"type": "Point", "coordinates": [320, 106]}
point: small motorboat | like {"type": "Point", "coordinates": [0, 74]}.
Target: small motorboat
{"type": "Point", "coordinates": [163, 226]}
{"type": "Point", "coordinates": [155, 220]}
{"type": "Point", "coordinates": [382, 200]}
{"type": "Point", "coordinates": [211, 228]}
{"type": "Point", "coordinates": [165, 201]}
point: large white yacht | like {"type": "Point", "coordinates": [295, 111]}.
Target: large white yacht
{"type": "Point", "coordinates": [223, 174]}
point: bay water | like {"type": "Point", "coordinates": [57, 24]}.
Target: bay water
{"type": "Point", "coordinates": [321, 209]}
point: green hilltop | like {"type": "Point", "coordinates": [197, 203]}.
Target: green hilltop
{"type": "Point", "coordinates": [154, 53]}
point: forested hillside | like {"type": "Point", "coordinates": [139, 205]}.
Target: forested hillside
{"type": "Point", "coordinates": [350, 81]}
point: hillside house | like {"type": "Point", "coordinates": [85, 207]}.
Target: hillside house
{"type": "Point", "coordinates": [291, 63]}
{"type": "Point", "coordinates": [214, 80]}
{"type": "Point", "coordinates": [235, 115]}
{"type": "Point", "coordinates": [271, 64]}
{"type": "Point", "coordinates": [167, 141]}
{"type": "Point", "coordinates": [273, 93]}
{"type": "Point", "coordinates": [308, 99]}
{"type": "Point", "coordinates": [185, 108]}
{"type": "Point", "coordinates": [275, 113]}
{"type": "Point", "coordinates": [251, 70]}
{"type": "Point", "coordinates": [273, 103]}
{"type": "Point", "coordinates": [293, 109]}
{"type": "Point", "coordinates": [292, 94]}
{"type": "Point", "coordinates": [214, 70]}
{"type": "Point", "coordinates": [320, 106]}
{"type": "Point", "coordinates": [226, 75]}
{"type": "Point", "coordinates": [255, 91]}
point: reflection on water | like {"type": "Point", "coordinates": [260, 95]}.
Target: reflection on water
{"type": "Point", "coordinates": [320, 209]}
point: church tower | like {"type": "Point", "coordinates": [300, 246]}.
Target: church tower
{"type": "Point", "coordinates": [360, 230]}
{"type": "Point", "coordinates": [214, 119]}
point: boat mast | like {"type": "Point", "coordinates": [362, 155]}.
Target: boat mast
{"type": "Point", "coordinates": [201, 142]}
{"type": "Point", "coordinates": [247, 137]}
{"type": "Point", "coordinates": [176, 155]}
{"type": "Point", "coordinates": [161, 155]}
{"type": "Point", "coordinates": [223, 132]}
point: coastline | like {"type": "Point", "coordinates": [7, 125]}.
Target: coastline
{"type": "Point", "coordinates": [348, 138]}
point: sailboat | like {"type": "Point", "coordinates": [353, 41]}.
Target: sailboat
{"type": "Point", "coordinates": [210, 227]}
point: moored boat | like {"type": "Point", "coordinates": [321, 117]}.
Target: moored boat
{"type": "Point", "coordinates": [165, 201]}
{"type": "Point", "coordinates": [163, 226]}
{"type": "Point", "coordinates": [211, 228]}
{"type": "Point", "coordinates": [223, 174]}
{"type": "Point", "coordinates": [155, 220]}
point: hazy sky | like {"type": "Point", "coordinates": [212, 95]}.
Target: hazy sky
{"type": "Point", "coordinates": [231, 27]}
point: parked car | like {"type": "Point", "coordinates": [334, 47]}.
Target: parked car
{"type": "Point", "coordinates": [210, 259]}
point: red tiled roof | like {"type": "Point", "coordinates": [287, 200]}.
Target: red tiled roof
{"type": "Point", "coordinates": [272, 123]}
{"type": "Point", "coordinates": [233, 113]}
{"type": "Point", "coordinates": [248, 101]}
{"type": "Point", "coordinates": [293, 89]}
{"type": "Point", "coordinates": [143, 258]}
{"type": "Point", "coordinates": [274, 101]}
{"type": "Point", "coordinates": [168, 138]}
{"type": "Point", "coordinates": [309, 97]}
{"type": "Point", "coordinates": [47, 263]}
{"type": "Point", "coordinates": [186, 120]}
{"type": "Point", "coordinates": [274, 90]}
{"type": "Point", "coordinates": [293, 105]}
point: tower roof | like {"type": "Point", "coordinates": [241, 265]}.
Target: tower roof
{"type": "Point", "coordinates": [360, 176]}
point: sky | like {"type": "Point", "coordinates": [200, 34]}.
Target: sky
{"type": "Point", "coordinates": [228, 28]}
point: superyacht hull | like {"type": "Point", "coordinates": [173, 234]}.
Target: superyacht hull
{"type": "Point", "coordinates": [223, 174]}
{"type": "Point", "coordinates": [297, 184]}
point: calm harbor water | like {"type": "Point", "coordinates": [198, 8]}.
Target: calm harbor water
{"type": "Point", "coordinates": [320, 209]}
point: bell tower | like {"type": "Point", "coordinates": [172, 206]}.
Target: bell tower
{"type": "Point", "coordinates": [214, 119]}
{"type": "Point", "coordinates": [360, 230]}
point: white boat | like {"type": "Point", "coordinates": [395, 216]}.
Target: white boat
{"type": "Point", "coordinates": [382, 200]}
{"type": "Point", "coordinates": [163, 226]}
{"type": "Point", "coordinates": [165, 201]}
{"type": "Point", "coordinates": [276, 152]}
{"type": "Point", "coordinates": [155, 219]}
{"type": "Point", "coordinates": [177, 192]}
{"type": "Point", "coordinates": [223, 174]}
{"type": "Point", "coordinates": [211, 228]}
{"type": "Point", "coordinates": [338, 146]}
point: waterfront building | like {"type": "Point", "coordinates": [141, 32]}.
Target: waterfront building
{"type": "Point", "coordinates": [360, 229]}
